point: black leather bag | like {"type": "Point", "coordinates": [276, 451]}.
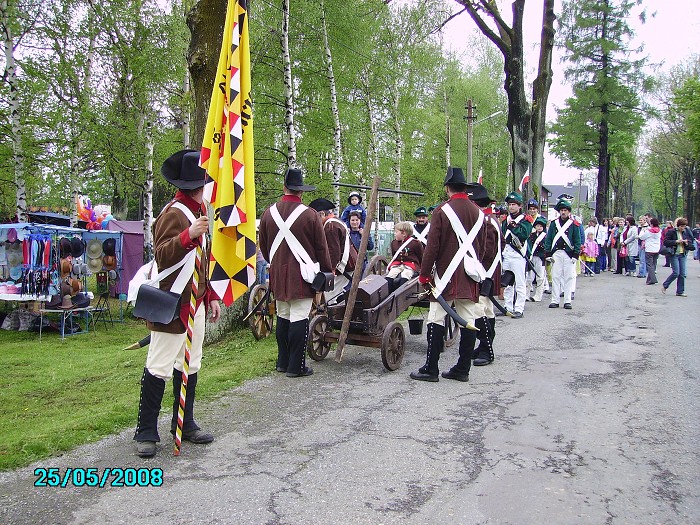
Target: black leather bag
{"type": "Point", "coordinates": [156, 305]}
{"type": "Point", "coordinates": [666, 250]}
{"type": "Point", "coordinates": [323, 282]}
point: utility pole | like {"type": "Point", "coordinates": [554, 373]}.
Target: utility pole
{"type": "Point", "coordinates": [580, 182]}
{"type": "Point", "coordinates": [471, 115]}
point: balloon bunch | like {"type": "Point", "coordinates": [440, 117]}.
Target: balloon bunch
{"type": "Point", "coordinates": [88, 214]}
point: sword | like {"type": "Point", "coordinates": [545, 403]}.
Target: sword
{"type": "Point", "coordinates": [258, 305]}
{"type": "Point", "coordinates": [143, 342]}
{"type": "Point", "coordinates": [515, 243]}
{"type": "Point", "coordinates": [451, 311]}
{"type": "Point", "coordinates": [486, 290]}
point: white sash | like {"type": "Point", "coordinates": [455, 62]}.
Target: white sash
{"type": "Point", "coordinates": [400, 249]}
{"type": "Point", "coordinates": [509, 232]}
{"type": "Point", "coordinates": [561, 233]}
{"type": "Point", "coordinates": [309, 269]}
{"type": "Point", "coordinates": [346, 249]}
{"type": "Point", "coordinates": [465, 254]}
{"type": "Point", "coordinates": [535, 244]}
{"type": "Point", "coordinates": [144, 275]}
{"type": "Point", "coordinates": [422, 236]}
{"type": "Point", "coordinates": [497, 260]}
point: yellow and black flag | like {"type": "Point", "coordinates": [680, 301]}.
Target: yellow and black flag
{"type": "Point", "coordinates": [227, 157]}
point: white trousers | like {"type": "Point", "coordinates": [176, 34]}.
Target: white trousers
{"type": "Point", "coordinates": [401, 270]}
{"type": "Point", "coordinates": [563, 272]}
{"type": "Point", "coordinates": [466, 309]}
{"type": "Point", "coordinates": [294, 310]}
{"type": "Point", "coordinates": [168, 350]}
{"type": "Point", "coordinates": [514, 295]}
{"type": "Point", "coordinates": [539, 276]}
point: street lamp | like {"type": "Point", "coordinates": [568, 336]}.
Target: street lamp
{"type": "Point", "coordinates": [471, 117]}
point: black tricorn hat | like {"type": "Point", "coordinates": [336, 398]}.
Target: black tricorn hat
{"type": "Point", "coordinates": [182, 170]}
{"type": "Point", "coordinates": [65, 247]}
{"type": "Point", "coordinates": [455, 176]}
{"type": "Point", "coordinates": [294, 180]}
{"type": "Point", "coordinates": [321, 204]}
{"type": "Point", "coordinates": [109, 246]}
{"type": "Point", "coordinates": [77, 247]}
{"type": "Point", "coordinates": [478, 194]}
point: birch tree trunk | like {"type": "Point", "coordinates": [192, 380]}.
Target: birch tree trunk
{"type": "Point", "coordinates": [16, 124]}
{"type": "Point", "coordinates": [148, 188]}
{"type": "Point", "coordinates": [398, 151]}
{"type": "Point", "coordinates": [338, 163]}
{"type": "Point", "coordinates": [288, 88]}
{"type": "Point", "coordinates": [186, 114]}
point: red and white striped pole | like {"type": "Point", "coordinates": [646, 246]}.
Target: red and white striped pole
{"type": "Point", "coordinates": [188, 350]}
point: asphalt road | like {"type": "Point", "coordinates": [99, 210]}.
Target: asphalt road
{"type": "Point", "coordinates": [588, 416]}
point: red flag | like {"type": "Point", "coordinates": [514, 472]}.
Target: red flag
{"type": "Point", "coordinates": [526, 179]}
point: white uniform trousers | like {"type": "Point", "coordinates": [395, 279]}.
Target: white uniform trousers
{"type": "Point", "coordinates": [294, 310]}
{"type": "Point", "coordinates": [536, 289]}
{"type": "Point", "coordinates": [168, 350]}
{"type": "Point", "coordinates": [563, 271]}
{"type": "Point", "coordinates": [487, 307]}
{"type": "Point", "coordinates": [514, 295]}
{"type": "Point", "coordinates": [466, 309]}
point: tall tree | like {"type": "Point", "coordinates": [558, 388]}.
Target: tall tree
{"type": "Point", "coordinates": [526, 119]}
{"type": "Point", "coordinates": [603, 118]}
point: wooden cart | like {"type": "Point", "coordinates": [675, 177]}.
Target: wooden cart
{"type": "Point", "coordinates": [261, 305]}
{"type": "Point", "coordinates": [375, 326]}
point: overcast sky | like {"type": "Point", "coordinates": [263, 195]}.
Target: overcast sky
{"type": "Point", "coordinates": [670, 37]}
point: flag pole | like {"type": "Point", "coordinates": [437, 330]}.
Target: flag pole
{"type": "Point", "coordinates": [188, 350]}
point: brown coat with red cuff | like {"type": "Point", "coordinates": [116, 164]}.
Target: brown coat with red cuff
{"type": "Point", "coordinates": [172, 243]}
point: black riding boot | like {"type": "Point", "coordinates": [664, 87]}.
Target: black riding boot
{"type": "Point", "coordinates": [436, 343]}
{"type": "Point", "coordinates": [190, 429]}
{"type": "Point", "coordinates": [282, 333]}
{"type": "Point", "coordinates": [482, 336]}
{"type": "Point", "coordinates": [296, 342]}
{"type": "Point", "coordinates": [399, 282]}
{"type": "Point", "coordinates": [146, 435]}
{"type": "Point", "coordinates": [392, 286]}
{"type": "Point", "coordinates": [485, 356]}
{"type": "Point", "coordinates": [460, 371]}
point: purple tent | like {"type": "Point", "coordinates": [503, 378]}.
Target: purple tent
{"type": "Point", "coordinates": [131, 250]}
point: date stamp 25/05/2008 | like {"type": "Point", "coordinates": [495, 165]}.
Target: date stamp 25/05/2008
{"type": "Point", "coordinates": [94, 477]}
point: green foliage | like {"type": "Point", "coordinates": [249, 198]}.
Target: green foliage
{"type": "Point", "coordinates": [687, 99]}
{"type": "Point", "coordinates": [67, 393]}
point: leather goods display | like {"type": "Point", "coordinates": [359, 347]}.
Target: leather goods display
{"type": "Point", "coordinates": [156, 305]}
{"type": "Point", "coordinates": [323, 282]}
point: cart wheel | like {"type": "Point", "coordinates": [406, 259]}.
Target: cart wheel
{"type": "Point", "coordinates": [451, 331]}
{"type": "Point", "coordinates": [393, 345]}
{"type": "Point", "coordinates": [260, 321]}
{"type": "Point", "coordinates": [376, 266]}
{"type": "Point", "coordinates": [317, 347]}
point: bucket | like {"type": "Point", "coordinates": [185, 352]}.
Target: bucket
{"type": "Point", "coordinates": [415, 326]}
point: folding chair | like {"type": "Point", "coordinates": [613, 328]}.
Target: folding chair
{"type": "Point", "coordinates": [102, 311]}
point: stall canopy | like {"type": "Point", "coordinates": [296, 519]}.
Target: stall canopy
{"type": "Point", "coordinates": [132, 248]}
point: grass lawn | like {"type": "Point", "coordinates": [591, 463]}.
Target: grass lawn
{"type": "Point", "coordinates": [61, 394]}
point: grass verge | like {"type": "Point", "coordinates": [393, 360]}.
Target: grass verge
{"type": "Point", "coordinates": [61, 394]}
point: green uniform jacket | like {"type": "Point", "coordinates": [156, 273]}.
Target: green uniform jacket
{"type": "Point", "coordinates": [573, 233]}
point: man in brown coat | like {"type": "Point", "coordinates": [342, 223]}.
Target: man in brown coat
{"type": "Point", "coordinates": [175, 237]}
{"type": "Point", "coordinates": [458, 216]}
{"type": "Point", "coordinates": [340, 249]}
{"type": "Point", "coordinates": [293, 241]}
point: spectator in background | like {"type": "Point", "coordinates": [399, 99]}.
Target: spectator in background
{"type": "Point", "coordinates": [260, 266]}
{"type": "Point", "coordinates": [651, 236]}
{"type": "Point", "coordinates": [629, 245]}
{"type": "Point", "coordinates": [681, 240]}
{"type": "Point", "coordinates": [354, 204]}
{"type": "Point", "coordinates": [696, 237]}
{"type": "Point", "coordinates": [669, 226]}
{"type": "Point", "coordinates": [642, 251]}
{"type": "Point", "coordinates": [356, 235]}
